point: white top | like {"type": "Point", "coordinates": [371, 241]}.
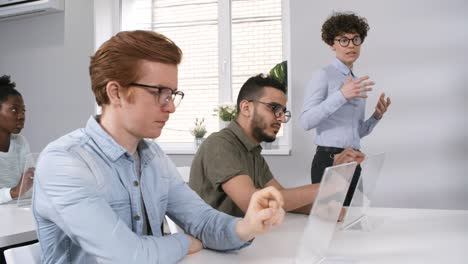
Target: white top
{"type": "Point", "coordinates": [12, 166]}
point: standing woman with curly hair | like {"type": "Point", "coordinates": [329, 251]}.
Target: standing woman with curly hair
{"type": "Point", "coordinates": [335, 97]}
{"type": "Point", "coordinates": [13, 147]}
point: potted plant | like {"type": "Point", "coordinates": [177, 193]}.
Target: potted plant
{"type": "Point", "coordinates": [199, 131]}
{"type": "Point", "coordinates": [280, 72]}
{"type": "Point", "coordinates": [227, 112]}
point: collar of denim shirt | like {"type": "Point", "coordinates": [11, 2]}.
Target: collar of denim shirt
{"type": "Point", "coordinates": [111, 148]}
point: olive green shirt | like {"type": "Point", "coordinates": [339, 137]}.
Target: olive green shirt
{"type": "Point", "coordinates": [222, 156]}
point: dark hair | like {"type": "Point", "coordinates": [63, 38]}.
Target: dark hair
{"type": "Point", "coordinates": [340, 23]}
{"type": "Point", "coordinates": [7, 88]}
{"type": "Point", "coordinates": [119, 58]}
{"type": "Point", "coordinates": [253, 88]}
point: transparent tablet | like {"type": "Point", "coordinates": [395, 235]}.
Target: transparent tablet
{"type": "Point", "coordinates": [324, 214]}
{"type": "Point", "coordinates": [356, 217]}
{"type": "Point", "coordinates": [27, 180]}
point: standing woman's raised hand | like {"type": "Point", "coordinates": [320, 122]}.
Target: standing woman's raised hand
{"type": "Point", "coordinates": [356, 88]}
{"type": "Point", "coordinates": [382, 106]}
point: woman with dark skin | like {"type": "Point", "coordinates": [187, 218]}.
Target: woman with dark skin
{"type": "Point", "coordinates": [13, 147]}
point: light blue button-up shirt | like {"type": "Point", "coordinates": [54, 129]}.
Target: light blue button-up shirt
{"type": "Point", "coordinates": [87, 204]}
{"type": "Point", "coordinates": [339, 122]}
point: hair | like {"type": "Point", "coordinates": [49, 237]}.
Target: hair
{"type": "Point", "coordinates": [252, 89]}
{"type": "Point", "coordinates": [340, 23]}
{"type": "Point", "coordinates": [119, 59]}
{"type": "Point", "coordinates": [7, 88]}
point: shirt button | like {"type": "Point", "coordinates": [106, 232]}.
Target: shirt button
{"type": "Point", "coordinates": [135, 183]}
{"type": "Point", "coordinates": [136, 218]}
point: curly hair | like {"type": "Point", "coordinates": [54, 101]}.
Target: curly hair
{"type": "Point", "coordinates": [339, 23]}
{"type": "Point", "coordinates": [7, 88]}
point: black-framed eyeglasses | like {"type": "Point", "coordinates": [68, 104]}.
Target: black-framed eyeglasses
{"type": "Point", "coordinates": [164, 95]}
{"type": "Point", "coordinates": [277, 109]}
{"type": "Point", "coordinates": [344, 41]}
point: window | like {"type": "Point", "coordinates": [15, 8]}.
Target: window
{"type": "Point", "coordinates": [224, 43]}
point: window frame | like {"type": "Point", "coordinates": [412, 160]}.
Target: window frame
{"type": "Point", "coordinates": [109, 18]}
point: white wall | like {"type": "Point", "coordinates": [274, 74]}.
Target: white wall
{"type": "Point", "coordinates": [48, 57]}
{"type": "Point", "coordinates": [416, 52]}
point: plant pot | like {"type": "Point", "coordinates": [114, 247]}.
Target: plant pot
{"type": "Point", "coordinates": [198, 141]}
{"type": "Point", "coordinates": [223, 124]}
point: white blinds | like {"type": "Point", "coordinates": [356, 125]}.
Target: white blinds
{"type": "Point", "coordinates": [193, 25]}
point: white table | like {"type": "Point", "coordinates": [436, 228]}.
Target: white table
{"type": "Point", "coordinates": [404, 236]}
{"type": "Point", "coordinates": [16, 225]}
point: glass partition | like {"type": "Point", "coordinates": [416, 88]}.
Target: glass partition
{"type": "Point", "coordinates": [27, 180]}
{"type": "Point", "coordinates": [356, 217]}
{"type": "Point", "coordinates": [12, 165]}
{"type": "Point", "coordinates": [324, 214]}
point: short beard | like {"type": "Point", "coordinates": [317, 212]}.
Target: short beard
{"type": "Point", "coordinates": [257, 130]}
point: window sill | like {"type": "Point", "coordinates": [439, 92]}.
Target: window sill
{"type": "Point", "coordinates": [281, 151]}
{"type": "Point", "coordinates": [191, 150]}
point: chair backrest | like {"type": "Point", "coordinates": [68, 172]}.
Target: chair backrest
{"type": "Point", "coordinates": [30, 254]}
{"type": "Point", "coordinates": [173, 227]}
{"type": "Point", "coordinates": [184, 172]}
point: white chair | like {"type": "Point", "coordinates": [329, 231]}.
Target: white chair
{"type": "Point", "coordinates": [30, 254]}
{"type": "Point", "coordinates": [173, 227]}
{"type": "Point", "coordinates": [184, 172]}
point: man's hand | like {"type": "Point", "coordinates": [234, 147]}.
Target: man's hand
{"type": "Point", "coordinates": [342, 214]}
{"type": "Point", "coordinates": [26, 180]}
{"type": "Point", "coordinates": [195, 245]}
{"type": "Point", "coordinates": [329, 211]}
{"type": "Point", "coordinates": [356, 88]}
{"type": "Point", "coordinates": [348, 155]}
{"type": "Point", "coordinates": [382, 106]}
{"type": "Point", "coordinates": [265, 210]}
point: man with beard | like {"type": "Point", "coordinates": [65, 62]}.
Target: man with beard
{"type": "Point", "coordinates": [228, 167]}
{"type": "Point", "coordinates": [101, 192]}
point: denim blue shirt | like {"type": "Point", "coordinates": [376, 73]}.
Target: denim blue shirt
{"type": "Point", "coordinates": [339, 122]}
{"type": "Point", "coordinates": [87, 204]}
